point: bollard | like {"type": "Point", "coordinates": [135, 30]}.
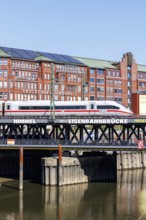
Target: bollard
{"type": "Point", "coordinates": [59, 165]}
{"type": "Point", "coordinates": [21, 169]}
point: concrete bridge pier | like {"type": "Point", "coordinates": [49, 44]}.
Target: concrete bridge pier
{"type": "Point", "coordinates": [79, 170]}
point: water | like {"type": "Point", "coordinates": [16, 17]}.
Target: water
{"type": "Point", "coordinates": [124, 200]}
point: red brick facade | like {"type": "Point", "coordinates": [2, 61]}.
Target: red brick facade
{"type": "Point", "coordinates": [31, 80]}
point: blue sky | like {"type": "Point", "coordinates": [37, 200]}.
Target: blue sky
{"type": "Point", "coordinates": [104, 29]}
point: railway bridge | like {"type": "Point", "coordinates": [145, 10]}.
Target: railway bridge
{"type": "Point", "coordinates": [74, 132]}
{"type": "Point", "coordinates": [108, 136]}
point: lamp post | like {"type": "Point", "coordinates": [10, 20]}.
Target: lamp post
{"type": "Point", "coordinates": [9, 84]}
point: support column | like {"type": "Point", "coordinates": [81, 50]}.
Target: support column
{"type": "Point", "coordinates": [21, 169]}
{"type": "Point", "coordinates": [60, 177]}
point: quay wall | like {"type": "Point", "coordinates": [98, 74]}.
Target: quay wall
{"type": "Point", "coordinates": [131, 160]}
{"type": "Point", "coordinates": [90, 169]}
{"type": "Point", "coordinates": [78, 170]}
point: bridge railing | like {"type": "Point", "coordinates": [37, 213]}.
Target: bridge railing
{"type": "Point", "coordinates": [50, 142]}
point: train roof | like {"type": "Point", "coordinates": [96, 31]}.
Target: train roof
{"type": "Point", "coordinates": [45, 102]}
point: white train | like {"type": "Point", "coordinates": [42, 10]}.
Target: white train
{"type": "Point", "coordinates": [62, 108]}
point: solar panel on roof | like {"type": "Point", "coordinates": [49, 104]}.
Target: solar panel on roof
{"type": "Point", "coordinates": [48, 56]}
{"type": "Point", "coordinates": [28, 54]}
{"type": "Point", "coordinates": [31, 53]}
{"type": "Point", "coordinates": [18, 53]}
{"type": "Point", "coordinates": [72, 59]}
{"type": "Point", "coordinates": [10, 51]}
{"type": "Point", "coordinates": [22, 54]}
{"type": "Point", "coordinates": [60, 58]}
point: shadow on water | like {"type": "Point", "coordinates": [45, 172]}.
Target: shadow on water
{"type": "Point", "coordinates": [125, 199]}
{"type": "Point", "coordinates": [9, 164]}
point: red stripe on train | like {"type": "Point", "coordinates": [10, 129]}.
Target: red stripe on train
{"type": "Point", "coordinates": [67, 111]}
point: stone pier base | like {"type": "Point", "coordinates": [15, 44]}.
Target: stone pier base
{"type": "Point", "coordinates": [79, 170]}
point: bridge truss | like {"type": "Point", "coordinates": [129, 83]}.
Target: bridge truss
{"type": "Point", "coordinates": [73, 131]}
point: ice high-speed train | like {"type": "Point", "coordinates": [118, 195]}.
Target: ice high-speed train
{"type": "Point", "coordinates": [62, 108]}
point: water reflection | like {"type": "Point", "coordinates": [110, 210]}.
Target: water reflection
{"type": "Point", "coordinates": [125, 199]}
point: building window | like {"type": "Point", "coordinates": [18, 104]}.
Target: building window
{"type": "Point", "coordinates": [56, 87]}
{"type": "Point", "coordinates": [91, 89]}
{"type": "Point", "coordinates": [117, 73]}
{"type": "Point", "coordinates": [118, 82]}
{"type": "Point", "coordinates": [86, 89]}
{"type": "Point", "coordinates": [1, 61]}
{"type": "Point", "coordinates": [118, 91]}
{"type": "Point", "coordinates": [100, 89]}
{"type": "Point", "coordinates": [79, 79]}
{"type": "Point", "coordinates": [79, 88]}
{"type": "Point", "coordinates": [1, 95]}
{"type": "Point", "coordinates": [5, 61]}
{"type": "Point", "coordinates": [100, 81]}
{"type": "Point", "coordinates": [100, 98]}
{"type": "Point", "coordinates": [16, 74]}
{"type": "Point", "coordinates": [143, 84]}
{"type": "Point", "coordinates": [11, 84]}
{"type": "Point", "coordinates": [119, 100]}
{"type": "Point", "coordinates": [5, 84]}
{"type": "Point", "coordinates": [92, 71]}
{"type": "Point", "coordinates": [11, 96]}
{"type": "Point", "coordinates": [109, 89]}
{"type": "Point", "coordinates": [109, 81]}
{"type": "Point", "coordinates": [91, 79]}
{"type": "Point", "coordinates": [56, 97]}
{"type": "Point", "coordinates": [1, 73]}
{"type": "Point", "coordinates": [100, 71]}
{"type": "Point", "coordinates": [5, 95]}
{"type": "Point", "coordinates": [109, 73]}
{"type": "Point", "coordinates": [129, 75]}
{"type": "Point", "coordinates": [91, 98]}
{"type": "Point", "coordinates": [110, 98]}
{"type": "Point", "coordinates": [5, 73]}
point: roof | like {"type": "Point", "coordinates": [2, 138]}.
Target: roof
{"type": "Point", "coordinates": [3, 54]}
{"type": "Point", "coordinates": [42, 58]}
{"type": "Point", "coordinates": [94, 63]}
{"type": "Point", "coordinates": [37, 55]}
{"type": "Point", "coordinates": [141, 68]}
{"type": "Point", "coordinates": [58, 58]}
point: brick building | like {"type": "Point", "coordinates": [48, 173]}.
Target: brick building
{"type": "Point", "coordinates": [31, 75]}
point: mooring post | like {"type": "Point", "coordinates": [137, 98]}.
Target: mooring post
{"type": "Point", "coordinates": [59, 165]}
{"type": "Point", "coordinates": [21, 169]}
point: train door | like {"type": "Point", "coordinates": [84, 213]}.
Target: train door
{"type": "Point", "coordinates": [8, 109]}
{"type": "Point", "coordinates": [1, 108]}
{"type": "Point", "coordinates": [92, 107]}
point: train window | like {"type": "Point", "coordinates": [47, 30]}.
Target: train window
{"type": "Point", "coordinates": [71, 107]}
{"type": "Point", "coordinates": [34, 107]}
{"type": "Point", "coordinates": [48, 107]}
{"type": "Point", "coordinates": [107, 107]}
